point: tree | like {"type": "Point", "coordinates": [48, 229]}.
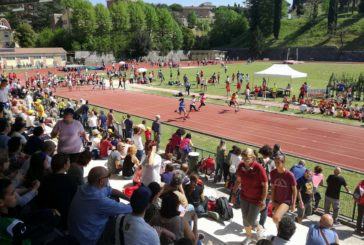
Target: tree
{"type": "Point", "coordinates": [177, 37]}
{"type": "Point", "coordinates": [120, 27]}
{"type": "Point", "coordinates": [176, 7]}
{"type": "Point", "coordinates": [25, 35]}
{"type": "Point", "coordinates": [192, 19]}
{"type": "Point", "coordinates": [257, 43]}
{"type": "Point", "coordinates": [300, 10]}
{"type": "Point", "coordinates": [188, 38]}
{"type": "Point", "coordinates": [332, 16]}
{"type": "Point", "coordinates": [103, 23]}
{"type": "Point", "coordinates": [277, 18]}
{"type": "Point", "coordinates": [361, 6]}
{"type": "Point", "coordinates": [260, 16]}
{"type": "Point", "coordinates": [228, 24]}
{"type": "Point", "coordinates": [165, 30]}
{"type": "Point", "coordinates": [313, 7]}
{"type": "Point", "coordinates": [45, 38]}
{"type": "Point", "coordinates": [151, 18]}
{"type": "Point", "coordinates": [83, 21]}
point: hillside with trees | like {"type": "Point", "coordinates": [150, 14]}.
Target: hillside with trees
{"type": "Point", "coordinates": [132, 29]}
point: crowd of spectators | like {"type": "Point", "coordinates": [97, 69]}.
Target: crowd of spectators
{"type": "Point", "coordinates": [45, 197]}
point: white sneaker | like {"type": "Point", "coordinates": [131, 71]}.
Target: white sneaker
{"type": "Point", "coordinates": [247, 241]}
{"type": "Point", "coordinates": [260, 232]}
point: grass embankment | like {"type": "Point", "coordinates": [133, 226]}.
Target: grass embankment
{"type": "Point", "coordinates": [300, 32]}
{"type": "Point", "coordinates": [209, 144]}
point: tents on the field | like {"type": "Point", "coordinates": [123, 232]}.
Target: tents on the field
{"type": "Point", "coordinates": [280, 70]}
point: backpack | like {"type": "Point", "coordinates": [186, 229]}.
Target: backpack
{"type": "Point", "coordinates": [224, 209]}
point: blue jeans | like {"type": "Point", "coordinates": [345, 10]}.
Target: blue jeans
{"type": "Point", "coordinates": [139, 154]}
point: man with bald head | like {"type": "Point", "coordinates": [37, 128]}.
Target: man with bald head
{"type": "Point", "coordinates": [91, 207]}
{"type": "Point", "coordinates": [321, 234]}
{"type": "Point", "coordinates": [332, 196]}
{"type": "Point", "coordinates": [116, 158]}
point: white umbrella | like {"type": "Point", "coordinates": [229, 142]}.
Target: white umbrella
{"type": "Point", "coordinates": [141, 70]}
{"type": "Point", "coordinates": [122, 63]}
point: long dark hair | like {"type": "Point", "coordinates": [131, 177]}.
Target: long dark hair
{"type": "Point", "coordinates": [36, 167]}
{"type": "Point", "coordinates": [170, 203]}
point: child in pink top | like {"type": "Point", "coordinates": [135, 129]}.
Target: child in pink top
{"type": "Point", "coordinates": [317, 179]}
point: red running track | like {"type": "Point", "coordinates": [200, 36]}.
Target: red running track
{"type": "Point", "coordinates": [331, 143]}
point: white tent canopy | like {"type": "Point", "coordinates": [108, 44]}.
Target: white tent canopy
{"type": "Point", "coordinates": [280, 70]}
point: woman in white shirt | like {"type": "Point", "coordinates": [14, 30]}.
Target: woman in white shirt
{"type": "Point", "coordinates": [235, 160]}
{"type": "Point", "coordinates": [137, 139]}
{"type": "Point", "coordinates": [92, 120]}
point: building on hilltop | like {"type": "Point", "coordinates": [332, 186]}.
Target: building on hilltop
{"type": "Point", "coordinates": [6, 33]}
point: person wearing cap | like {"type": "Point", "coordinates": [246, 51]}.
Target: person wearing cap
{"type": "Point", "coordinates": [91, 207]}
{"type": "Point", "coordinates": [284, 191]}
{"type": "Point", "coordinates": [253, 181]}
{"type": "Point", "coordinates": [322, 234]}
{"type": "Point", "coordinates": [70, 133]}
{"type": "Point", "coordinates": [132, 229]}
{"type": "Point", "coordinates": [156, 128]}
{"type": "Point", "coordinates": [39, 108]}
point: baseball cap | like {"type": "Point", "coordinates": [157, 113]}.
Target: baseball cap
{"type": "Point", "coordinates": [139, 201]}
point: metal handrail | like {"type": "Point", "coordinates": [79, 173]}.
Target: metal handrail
{"type": "Point", "coordinates": [344, 215]}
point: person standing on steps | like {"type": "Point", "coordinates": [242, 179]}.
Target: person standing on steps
{"type": "Point", "coordinates": [332, 196]}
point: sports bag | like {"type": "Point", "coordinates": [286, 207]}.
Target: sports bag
{"type": "Point", "coordinates": [224, 209]}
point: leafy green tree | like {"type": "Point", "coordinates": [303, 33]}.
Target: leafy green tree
{"type": "Point", "coordinates": [228, 24]}
{"type": "Point", "coordinates": [103, 20]}
{"type": "Point", "coordinates": [137, 17]}
{"type": "Point", "coordinates": [192, 19]}
{"type": "Point", "coordinates": [165, 30]}
{"type": "Point", "coordinates": [120, 17]}
{"type": "Point", "coordinates": [325, 6]}
{"type": "Point", "coordinates": [176, 7]}
{"type": "Point", "coordinates": [45, 38]}
{"type": "Point", "coordinates": [332, 16]}
{"type": "Point", "coordinates": [83, 20]}
{"type": "Point", "coordinates": [188, 38]}
{"type": "Point", "coordinates": [177, 38]}
{"type": "Point", "coordinates": [151, 19]}
{"type": "Point", "coordinates": [25, 35]}
{"type": "Point", "coordinates": [277, 18]}
{"type": "Point", "coordinates": [260, 16]}
{"type": "Point", "coordinates": [313, 7]}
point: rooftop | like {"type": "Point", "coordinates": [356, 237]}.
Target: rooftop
{"type": "Point", "coordinates": [21, 51]}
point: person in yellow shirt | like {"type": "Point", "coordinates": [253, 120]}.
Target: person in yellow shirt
{"type": "Point", "coordinates": [61, 107]}
{"type": "Point", "coordinates": [39, 109]}
{"type": "Point", "coordinates": [274, 91]}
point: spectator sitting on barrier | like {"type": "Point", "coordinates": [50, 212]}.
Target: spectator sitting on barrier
{"type": "Point", "coordinates": [167, 176]}
{"type": "Point", "coordinates": [115, 160]}
{"type": "Point", "coordinates": [76, 170]}
{"type": "Point", "coordinates": [95, 144]}
{"type": "Point", "coordinates": [130, 163]}
{"type": "Point", "coordinates": [195, 195]}
{"type": "Point", "coordinates": [105, 146]}
{"type": "Point", "coordinates": [151, 165]}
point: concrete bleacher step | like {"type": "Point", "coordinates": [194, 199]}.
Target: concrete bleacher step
{"type": "Point", "coordinates": [231, 232]}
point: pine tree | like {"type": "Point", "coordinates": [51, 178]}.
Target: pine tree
{"type": "Point", "coordinates": [277, 18]}
{"type": "Point", "coordinates": [332, 16]}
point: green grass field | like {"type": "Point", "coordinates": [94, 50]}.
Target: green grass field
{"type": "Point", "coordinates": [318, 75]}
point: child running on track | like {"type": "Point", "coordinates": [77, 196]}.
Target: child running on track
{"type": "Point", "coordinates": [228, 87]}
{"type": "Point", "coordinates": [234, 101]}
{"type": "Point", "coordinates": [192, 105]}
{"type": "Point", "coordinates": [202, 100]}
{"type": "Point", "coordinates": [182, 108]}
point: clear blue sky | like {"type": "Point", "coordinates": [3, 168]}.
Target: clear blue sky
{"type": "Point", "coordinates": [185, 2]}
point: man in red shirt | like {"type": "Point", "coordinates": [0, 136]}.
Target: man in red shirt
{"type": "Point", "coordinates": [252, 178]}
